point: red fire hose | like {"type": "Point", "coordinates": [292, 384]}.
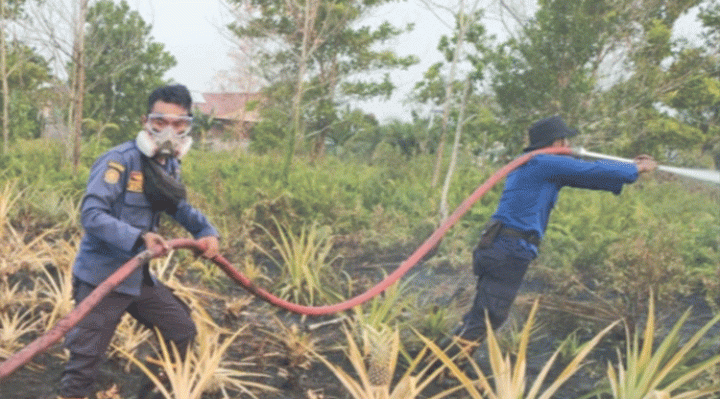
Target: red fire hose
{"type": "Point", "coordinates": [43, 342]}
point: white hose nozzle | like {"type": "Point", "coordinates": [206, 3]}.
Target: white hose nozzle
{"type": "Point", "coordinates": [707, 175]}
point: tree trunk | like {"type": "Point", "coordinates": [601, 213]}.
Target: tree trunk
{"type": "Point", "coordinates": [448, 95]}
{"type": "Point", "coordinates": [4, 77]}
{"type": "Point", "coordinates": [331, 82]}
{"type": "Point", "coordinates": [453, 157]}
{"type": "Point", "coordinates": [78, 81]}
{"type": "Point", "coordinates": [297, 134]}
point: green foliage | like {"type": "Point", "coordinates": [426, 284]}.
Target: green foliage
{"type": "Point", "coordinates": [342, 48]}
{"type": "Point", "coordinates": [657, 99]}
{"type": "Point", "coordinates": [442, 84]}
{"type": "Point", "coordinates": [697, 95]}
{"type": "Point", "coordinates": [433, 88]}
{"type": "Point", "coordinates": [654, 235]}
{"type": "Point", "coordinates": [14, 8]}
{"type": "Point", "coordinates": [325, 58]}
{"type": "Point", "coordinates": [271, 132]}
{"type": "Point", "coordinates": [124, 65]}
{"type": "Point", "coordinates": [305, 263]}
{"type": "Point", "coordinates": [405, 137]}
{"type": "Point", "coordinates": [664, 369]}
{"type": "Point", "coordinates": [434, 321]}
{"type": "Point", "coordinates": [28, 71]}
{"type": "Point", "coordinates": [39, 162]}
{"type": "Point", "coordinates": [671, 133]}
{"type": "Point", "coordinates": [549, 68]}
{"type": "Point", "coordinates": [342, 192]}
{"type": "Point", "coordinates": [659, 233]}
{"type": "Point", "coordinates": [51, 193]}
{"type": "Point", "coordinates": [387, 308]}
{"type": "Point", "coordinates": [356, 133]}
{"type": "Point", "coordinates": [24, 123]}
{"type": "Point", "coordinates": [657, 46]}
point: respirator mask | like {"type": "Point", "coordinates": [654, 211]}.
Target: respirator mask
{"type": "Point", "coordinates": [167, 135]}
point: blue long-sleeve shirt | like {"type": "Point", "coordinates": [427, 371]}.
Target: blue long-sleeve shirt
{"type": "Point", "coordinates": [115, 212]}
{"type": "Point", "coordinates": [531, 191]}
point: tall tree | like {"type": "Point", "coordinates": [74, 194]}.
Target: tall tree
{"type": "Point", "coordinates": [122, 62]}
{"type": "Point", "coordinates": [602, 64]}
{"type": "Point", "coordinates": [123, 65]}
{"type": "Point", "coordinates": [551, 65]}
{"type": "Point", "coordinates": [3, 76]}
{"type": "Point", "coordinates": [28, 77]}
{"type": "Point", "coordinates": [637, 114]}
{"type": "Point", "coordinates": [78, 79]}
{"type": "Point", "coordinates": [9, 10]}
{"type": "Point", "coordinates": [444, 211]}
{"type": "Point", "coordinates": [697, 97]}
{"type": "Point", "coordinates": [468, 28]}
{"type": "Point", "coordinates": [318, 48]}
{"type": "Point", "coordinates": [56, 29]}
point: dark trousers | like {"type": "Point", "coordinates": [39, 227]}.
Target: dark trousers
{"type": "Point", "coordinates": [500, 269]}
{"type": "Point", "coordinates": [88, 340]}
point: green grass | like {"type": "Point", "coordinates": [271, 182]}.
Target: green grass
{"type": "Point", "coordinates": [666, 232]}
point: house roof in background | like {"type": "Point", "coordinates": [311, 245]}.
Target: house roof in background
{"type": "Point", "coordinates": [230, 106]}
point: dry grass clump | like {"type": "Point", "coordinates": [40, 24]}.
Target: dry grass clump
{"type": "Point", "coordinates": [14, 295]}
{"type": "Point", "coordinates": [21, 252]}
{"type": "Point", "coordinates": [35, 282]}
{"type": "Point", "coordinates": [508, 378]}
{"type": "Point", "coordinates": [129, 338]}
{"type": "Point", "coordinates": [297, 346]}
{"type": "Point", "coordinates": [235, 307]}
{"type": "Point", "coordinates": [204, 369]}
{"type": "Point", "coordinates": [651, 370]}
{"type": "Point", "coordinates": [8, 199]}
{"type": "Point", "coordinates": [56, 293]}
{"type": "Point", "coordinates": [14, 325]}
{"type": "Point", "coordinates": [305, 263]}
{"type": "Point", "coordinates": [374, 363]}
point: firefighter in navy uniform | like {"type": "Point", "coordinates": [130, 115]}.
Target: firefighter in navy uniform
{"type": "Point", "coordinates": [129, 186]}
{"type": "Point", "coordinates": [510, 240]}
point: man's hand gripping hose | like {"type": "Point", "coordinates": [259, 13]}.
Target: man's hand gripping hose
{"type": "Point", "coordinates": [706, 175]}
{"type": "Point", "coordinates": [43, 342]}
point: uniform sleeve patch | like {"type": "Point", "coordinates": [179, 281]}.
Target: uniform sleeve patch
{"type": "Point", "coordinates": [135, 182]}
{"type": "Point", "coordinates": [112, 176]}
{"type": "Point", "coordinates": [120, 168]}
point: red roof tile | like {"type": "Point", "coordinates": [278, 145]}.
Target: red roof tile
{"type": "Point", "coordinates": [230, 106]}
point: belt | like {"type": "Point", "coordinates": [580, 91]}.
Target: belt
{"type": "Point", "coordinates": [529, 237]}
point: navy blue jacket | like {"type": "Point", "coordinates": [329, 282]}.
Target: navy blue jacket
{"type": "Point", "coordinates": [531, 190]}
{"type": "Point", "coordinates": [115, 213]}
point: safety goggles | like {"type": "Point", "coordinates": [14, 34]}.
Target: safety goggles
{"type": "Point", "coordinates": [180, 123]}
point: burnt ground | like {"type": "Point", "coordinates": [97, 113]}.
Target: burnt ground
{"type": "Point", "coordinates": [295, 378]}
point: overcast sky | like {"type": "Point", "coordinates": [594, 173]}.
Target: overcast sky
{"type": "Point", "coordinates": [192, 31]}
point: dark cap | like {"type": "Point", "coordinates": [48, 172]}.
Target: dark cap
{"type": "Point", "coordinates": [545, 131]}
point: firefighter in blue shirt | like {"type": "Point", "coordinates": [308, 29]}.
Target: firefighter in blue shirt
{"type": "Point", "coordinates": [129, 186]}
{"type": "Point", "coordinates": [510, 240]}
